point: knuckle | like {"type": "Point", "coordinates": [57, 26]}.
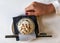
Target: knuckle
{"type": "Point", "coordinates": [34, 2]}
{"type": "Point", "coordinates": [32, 5]}
{"type": "Point", "coordinates": [26, 8]}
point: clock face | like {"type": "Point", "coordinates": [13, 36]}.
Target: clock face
{"type": "Point", "coordinates": [26, 26]}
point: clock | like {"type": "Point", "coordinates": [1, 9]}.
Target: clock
{"type": "Point", "coordinates": [25, 28]}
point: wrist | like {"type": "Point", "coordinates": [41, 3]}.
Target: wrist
{"type": "Point", "coordinates": [51, 8]}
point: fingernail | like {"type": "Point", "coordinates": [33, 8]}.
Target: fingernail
{"type": "Point", "coordinates": [26, 13]}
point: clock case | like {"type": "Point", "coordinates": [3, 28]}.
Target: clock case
{"type": "Point", "coordinates": [16, 20]}
{"type": "Point", "coordinates": [16, 32]}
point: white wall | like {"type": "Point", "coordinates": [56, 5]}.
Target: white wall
{"type": "Point", "coordinates": [11, 8]}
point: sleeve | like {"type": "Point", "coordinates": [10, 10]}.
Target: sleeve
{"type": "Point", "coordinates": [56, 4]}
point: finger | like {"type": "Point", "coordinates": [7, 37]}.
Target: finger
{"type": "Point", "coordinates": [30, 13]}
{"type": "Point", "coordinates": [30, 7]}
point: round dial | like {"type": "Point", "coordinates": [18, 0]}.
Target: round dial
{"type": "Point", "coordinates": [26, 26]}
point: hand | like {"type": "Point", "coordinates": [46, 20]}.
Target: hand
{"type": "Point", "coordinates": [38, 9]}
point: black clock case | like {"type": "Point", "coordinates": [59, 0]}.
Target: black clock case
{"type": "Point", "coordinates": [16, 20]}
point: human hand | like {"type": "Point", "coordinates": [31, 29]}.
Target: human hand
{"type": "Point", "coordinates": [37, 9]}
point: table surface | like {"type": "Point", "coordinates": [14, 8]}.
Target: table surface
{"type": "Point", "coordinates": [12, 8]}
